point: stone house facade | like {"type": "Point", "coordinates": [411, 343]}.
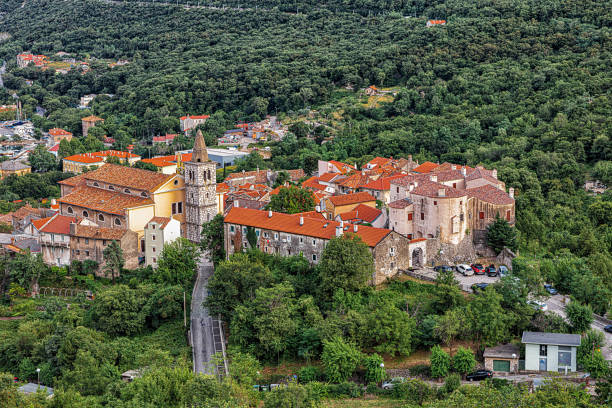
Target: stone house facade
{"type": "Point", "coordinates": [89, 242]}
{"type": "Point", "coordinates": [450, 204]}
{"type": "Point", "coordinates": [289, 235]}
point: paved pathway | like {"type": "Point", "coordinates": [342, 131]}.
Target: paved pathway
{"type": "Point", "coordinates": [556, 305]}
{"type": "Point", "coordinates": [206, 332]}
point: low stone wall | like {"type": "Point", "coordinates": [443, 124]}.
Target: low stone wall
{"type": "Point", "coordinates": [448, 254]}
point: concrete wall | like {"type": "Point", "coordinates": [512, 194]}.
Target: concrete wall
{"type": "Point", "coordinates": [532, 358]}
{"type": "Point", "coordinates": [55, 247]}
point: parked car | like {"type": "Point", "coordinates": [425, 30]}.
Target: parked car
{"type": "Point", "coordinates": [479, 375]}
{"type": "Point", "coordinates": [491, 271]}
{"type": "Point", "coordinates": [608, 328]}
{"type": "Point", "coordinates": [550, 289]}
{"type": "Point", "coordinates": [537, 305]}
{"type": "Point", "coordinates": [503, 270]}
{"type": "Point", "coordinates": [478, 269]}
{"type": "Point", "coordinates": [479, 286]}
{"type": "Point", "coordinates": [443, 268]}
{"type": "Point", "coordinates": [388, 385]}
{"type": "Point", "coordinates": [465, 270]}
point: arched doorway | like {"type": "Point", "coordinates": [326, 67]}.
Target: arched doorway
{"type": "Point", "coordinates": [417, 258]}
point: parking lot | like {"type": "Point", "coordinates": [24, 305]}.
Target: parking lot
{"type": "Point", "coordinates": [465, 282]}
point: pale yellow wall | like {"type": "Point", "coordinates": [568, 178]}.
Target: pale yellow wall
{"type": "Point", "coordinates": [166, 195]}
{"type": "Point", "coordinates": [138, 217]}
{"type": "Point", "coordinates": [220, 203]}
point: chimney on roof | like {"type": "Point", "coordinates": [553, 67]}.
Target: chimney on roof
{"type": "Point", "coordinates": [433, 178]}
{"type": "Point", "coordinates": [53, 201]}
{"type": "Point", "coordinates": [441, 192]}
{"type": "Point", "coordinates": [236, 203]}
{"type": "Point", "coordinates": [411, 187]}
{"type": "Point", "coordinates": [301, 220]}
{"type": "Point", "coordinates": [317, 208]}
{"type": "Point", "coordinates": [355, 228]}
{"type": "Point", "coordinates": [511, 192]}
{"type": "Point", "coordinates": [363, 172]}
{"type": "Point", "coordinates": [269, 213]}
{"type": "Point", "coordinates": [72, 228]}
{"type": "Point", "coordinates": [463, 171]}
{"type": "Point", "coordinates": [494, 173]}
{"type": "Point", "coordinates": [340, 229]}
{"type": "Point", "coordinates": [454, 167]}
{"type": "Point", "coordinates": [416, 184]}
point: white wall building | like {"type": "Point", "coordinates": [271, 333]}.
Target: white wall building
{"type": "Point", "coordinates": [157, 233]}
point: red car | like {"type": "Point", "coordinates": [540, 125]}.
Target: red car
{"type": "Point", "coordinates": [478, 269]}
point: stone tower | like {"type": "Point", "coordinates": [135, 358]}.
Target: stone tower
{"type": "Point", "coordinates": [200, 189]}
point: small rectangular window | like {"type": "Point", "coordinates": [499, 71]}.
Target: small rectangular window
{"type": "Point", "coordinates": [422, 216]}
{"type": "Point", "coordinates": [314, 242]}
{"type": "Point", "coordinates": [409, 216]}
{"type": "Point", "coordinates": [314, 257]}
{"type": "Point", "coordinates": [153, 237]}
{"type": "Point", "coordinates": [153, 249]}
{"type": "Point", "coordinates": [508, 214]}
{"type": "Point", "coordinates": [409, 236]}
{"type": "Point", "coordinates": [152, 226]}
{"type": "Point", "coordinates": [173, 208]}
{"type": "Point", "coordinates": [103, 242]}
{"type": "Point", "coordinates": [266, 235]}
{"type": "Point", "coordinates": [257, 232]}
{"type": "Point", "coordinates": [154, 260]}
{"type": "Point", "coordinates": [392, 251]}
{"type": "Point", "coordinates": [86, 253]}
{"type": "Point", "coordinates": [481, 215]}
{"type": "Point", "coordinates": [301, 240]}
{"type": "Point", "coordinates": [232, 228]}
{"type": "Point", "coordinates": [454, 185]}
{"type": "Point", "coordinates": [180, 207]}
{"type": "Point", "coordinates": [87, 240]}
{"type": "Point", "coordinates": [543, 350]}
{"type": "Point", "coordinates": [435, 202]}
{"type": "Point", "coordinates": [397, 190]}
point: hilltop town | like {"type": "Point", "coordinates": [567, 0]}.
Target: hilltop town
{"type": "Point", "coordinates": [305, 204]}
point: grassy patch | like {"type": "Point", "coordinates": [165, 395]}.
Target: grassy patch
{"type": "Point", "coordinates": [366, 402]}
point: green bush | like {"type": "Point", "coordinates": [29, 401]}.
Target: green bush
{"type": "Point", "coordinates": [451, 383]}
{"type": "Point", "coordinates": [345, 389]}
{"type": "Point", "coordinates": [420, 370]}
{"type": "Point", "coordinates": [375, 370]}
{"type": "Point", "coordinates": [415, 391]}
{"type": "Point", "coordinates": [499, 383]}
{"type": "Point", "coordinates": [309, 374]}
{"type": "Point", "coordinates": [440, 362]}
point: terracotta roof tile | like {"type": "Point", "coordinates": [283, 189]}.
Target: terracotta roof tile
{"type": "Point", "coordinates": [354, 181]}
{"type": "Point", "coordinates": [87, 231]}
{"type": "Point", "coordinates": [400, 204]}
{"type": "Point", "coordinates": [367, 213]}
{"type": "Point", "coordinates": [129, 177]}
{"type": "Point", "coordinates": [490, 194]}
{"type": "Point", "coordinates": [59, 132]}
{"type": "Point", "coordinates": [425, 167]}
{"type": "Point", "coordinates": [432, 189]}
{"type": "Point", "coordinates": [354, 198]}
{"type": "Point", "coordinates": [24, 211]}
{"type": "Point", "coordinates": [38, 224]}
{"type": "Point", "coordinates": [161, 221]}
{"type": "Point", "coordinates": [59, 224]}
{"type": "Point", "coordinates": [92, 118]}
{"type": "Point", "coordinates": [311, 214]}
{"type": "Point", "coordinates": [379, 161]}
{"type": "Point", "coordinates": [448, 175]}
{"type": "Point", "coordinates": [107, 201]}
{"type": "Point", "coordinates": [291, 224]}
{"type": "Point", "coordinates": [382, 183]}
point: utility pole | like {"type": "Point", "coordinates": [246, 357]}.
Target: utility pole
{"type": "Point", "coordinates": [184, 309]}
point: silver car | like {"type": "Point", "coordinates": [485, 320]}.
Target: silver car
{"type": "Point", "coordinates": [388, 385]}
{"type": "Point", "coordinates": [465, 270]}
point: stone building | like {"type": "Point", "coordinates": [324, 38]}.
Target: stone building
{"type": "Point", "coordinates": [288, 235]}
{"type": "Point", "coordinates": [200, 189]}
{"type": "Point", "coordinates": [54, 238]}
{"type": "Point", "coordinates": [448, 202]}
{"type": "Point", "coordinates": [88, 243]}
{"type": "Point", "coordinates": [502, 358]}
{"type": "Point", "coordinates": [89, 122]}
{"type": "Point", "coordinates": [189, 122]}
{"type": "Point", "coordinates": [57, 135]}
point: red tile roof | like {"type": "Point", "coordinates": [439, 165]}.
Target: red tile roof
{"type": "Point", "coordinates": [161, 221]}
{"type": "Point", "coordinates": [96, 157]}
{"type": "Point", "coordinates": [311, 214]}
{"type": "Point", "coordinates": [38, 224]}
{"type": "Point", "coordinates": [87, 231]}
{"type": "Point", "coordinates": [448, 175]}
{"type": "Point", "coordinates": [342, 167]}
{"type": "Point", "coordinates": [92, 118]}
{"type": "Point", "coordinates": [129, 177]}
{"type": "Point", "coordinates": [425, 167]}
{"type": "Point", "coordinates": [432, 189]}
{"type": "Point", "coordinates": [327, 177]}
{"type": "Point", "coordinates": [490, 194]}
{"type": "Point", "coordinates": [379, 161]}
{"type": "Point", "coordinates": [382, 184]}
{"type": "Point", "coordinates": [223, 188]}
{"type": "Point", "coordinates": [291, 224]}
{"type": "Point", "coordinates": [107, 201]}
{"type": "Point", "coordinates": [354, 181]}
{"type": "Point", "coordinates": [54, 148]}
{"type": "Point", "coordinates": [59, 224]}
{"type": "Point", "coordinates": [59, 132]}
{"type": "Point", "coordinates": [354, 198]}
{"type": "Point", "coordinates": [367, 213]}
{"type": "Point", "coordinates": [195, 117]}
{"type": "Point", "coordinates": [400, 204]}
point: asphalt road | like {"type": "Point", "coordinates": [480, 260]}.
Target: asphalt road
{"type": "Point", "coordinates": [556, 305]}
{"type": "Point", "coordinates": [206, 332]}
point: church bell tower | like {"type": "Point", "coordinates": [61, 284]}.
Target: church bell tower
{"type": "Point", "coordinates": [200, 189]}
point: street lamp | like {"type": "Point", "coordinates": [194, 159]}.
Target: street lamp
{"type": "Point", "coordinates": [38, 374]}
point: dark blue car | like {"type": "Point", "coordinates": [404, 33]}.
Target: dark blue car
{"type": "Point", "coordinates": [550, 289]}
